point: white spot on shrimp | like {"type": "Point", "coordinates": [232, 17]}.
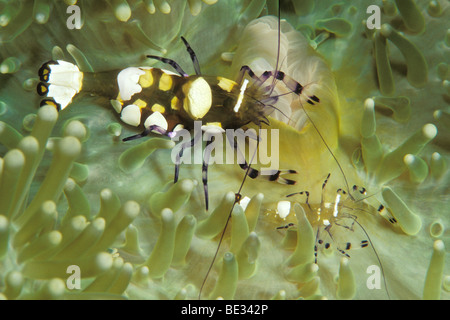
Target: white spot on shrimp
{"type": "Point", "coordinates": [128, 79]}
{"type": "Point", "coordinates": [131, 115]}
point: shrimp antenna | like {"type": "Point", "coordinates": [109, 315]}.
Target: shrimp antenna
{"type": "Point", "coordinates": [278, 47]}
{"type": "Point", "coordinates": [378, 258]}
{"type": "Point", "coordinates": [238, 196]}
{"type": "Point", "coordinates": [331, 152]}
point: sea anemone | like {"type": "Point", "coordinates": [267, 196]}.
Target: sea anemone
{"type": "Point", "coordinates": [77, 203]}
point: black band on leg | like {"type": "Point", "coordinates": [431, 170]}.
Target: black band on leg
{"type": "Point", "coordinates": [146, 132]}
{"type": "Point", "coordinates": [206, 157]}
{"type": "Point", "coordinates": [172, 63]}
{"type": "Point", "coordinates": [193, 56]}
{"type": "Point", "coordinates": [254, 173]}
{"type": "Point", "coordinates": [258, 80]}
{"type": "Point", "coordinates": [184, 146]}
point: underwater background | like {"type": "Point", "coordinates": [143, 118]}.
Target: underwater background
{"type": "Point", "coordinates": [73, 194]}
